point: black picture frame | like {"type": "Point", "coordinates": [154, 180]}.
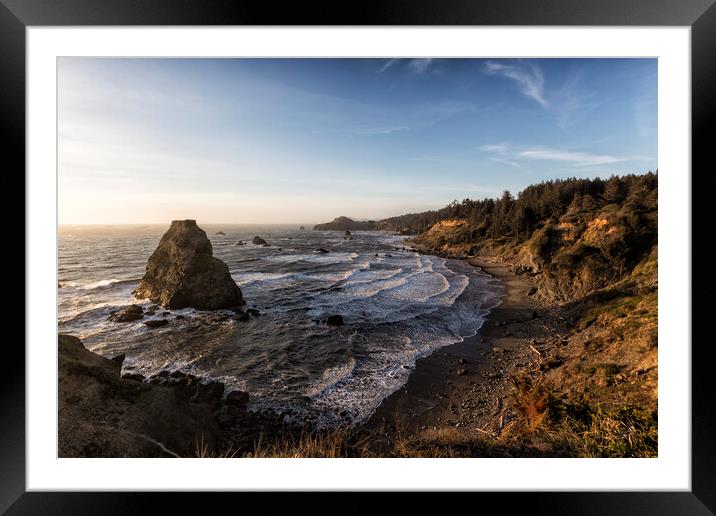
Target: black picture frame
{"type": "Point", "coordinates": [700, 15]}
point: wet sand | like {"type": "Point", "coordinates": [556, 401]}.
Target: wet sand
{"type": "Point", "coordinates": [464, 385]}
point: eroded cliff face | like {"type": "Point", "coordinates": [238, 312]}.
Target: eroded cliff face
{"type": "Point", "coordinates": [567, 258]}
{"type": "Point", "coordinates": [595, 272]}
{"type": "Point", "coordinates": [182, 272]}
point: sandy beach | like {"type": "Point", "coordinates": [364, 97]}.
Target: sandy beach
{"type": "Point", "coordinates": [465, 385]}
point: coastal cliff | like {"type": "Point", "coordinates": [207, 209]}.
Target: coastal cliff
{"type": "Point", "coordinates": [570, 237]}
{"type": "Point", "coordinates": [591, 264]}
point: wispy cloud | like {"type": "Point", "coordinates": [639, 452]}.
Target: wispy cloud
{"type": "Point", "coordinates": [510, 155]}
{"type": "Point", "coordinates": [575, 158]}
{"type": "Point", "coordinates": [420, 66]}
{"type": "Point", "coordinates": [506, 162]}
{"type": "Point", "coordinates": [387, 64]}
{"type": "Point", "coordinates": [528, 76]}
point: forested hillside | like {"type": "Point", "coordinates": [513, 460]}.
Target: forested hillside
{"type": "Point", "coordinates": [574, 236]}
{"type": "Point", "coordinates": [518, 217]}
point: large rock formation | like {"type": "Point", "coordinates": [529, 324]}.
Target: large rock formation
{"type": "Point", "coordinates": [183, 273]}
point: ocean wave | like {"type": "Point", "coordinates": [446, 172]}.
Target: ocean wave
{"type": "Point", "coordinates": [324, 259]}
{"type": "Point", "coordinates": [100, 284]}
{"type": "Point", "coordinates": [330, 379]}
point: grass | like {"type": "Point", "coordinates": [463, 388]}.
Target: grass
{"type": "Point", "coordinates": [202, 451]}
{"type": "Point", "coordinates": [531, 399]}
{"type": "Point", "coordinates": [624, 432]}
{"type": "Point", "coordinates": [445, 442]}
{"type": "Point", "coordinates": [307, 444]}
{"type": "Point", "coordinates": [578, 428]}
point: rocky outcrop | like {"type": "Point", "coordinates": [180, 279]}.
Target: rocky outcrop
{"type": "Point", "coordinates": [169, 414]}
{"type": "Point", "coordinates": [182, 272]}
{"type": "Point", "coordinates": [104, 415]}
{"type": "Point", "coordinates": [259, 241]}
{"type": "Point", "coordinates": [347, 224]}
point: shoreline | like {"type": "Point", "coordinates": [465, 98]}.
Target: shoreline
{"type": "Point", "coordinates": [464, 385]}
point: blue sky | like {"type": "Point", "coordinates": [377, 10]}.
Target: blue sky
{"type": "Point", "coordinates": [306, 140]}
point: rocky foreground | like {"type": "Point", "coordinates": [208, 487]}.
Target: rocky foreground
{"type": "Point", "coordinates": [103, 413]}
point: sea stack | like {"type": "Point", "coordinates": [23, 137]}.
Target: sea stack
{"type": "Point", "coordinates": [183, 273]}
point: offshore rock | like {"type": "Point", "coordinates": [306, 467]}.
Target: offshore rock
{"type": "Point", "coordinates": [182, 272]}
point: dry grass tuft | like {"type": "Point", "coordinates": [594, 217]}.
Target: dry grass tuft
{"type": "Point", "coordinates": [202, 451]}
{"type": "Point", "coordinates": [329, 444]}
{"type": "Point", "coordinates": [531, 399]}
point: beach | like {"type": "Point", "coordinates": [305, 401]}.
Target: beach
{"type": "Point", "coordinates": [465, 385]}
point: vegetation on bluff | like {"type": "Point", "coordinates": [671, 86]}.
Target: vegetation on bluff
{"type": "Point", "coordinates": [518, 218]}
{"type": "Point", "coordinates": [589, 248]}
{"type": "Point", "coordinates": [573, 236]}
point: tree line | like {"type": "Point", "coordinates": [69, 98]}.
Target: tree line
{"type": "Point", "coordinates": [517, 217]}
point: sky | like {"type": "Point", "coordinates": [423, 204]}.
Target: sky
{"type": "Point", "coordinates": [291, 141]}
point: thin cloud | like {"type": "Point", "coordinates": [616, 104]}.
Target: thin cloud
{"type": "Point", "coordinates": [388, 64]}
{"type": "Point", "coordinates": [528, 76]}
{"type": "Point", "coordinates": [509, 155]}
{"type": "Point", "coordinates": [506, 162]}
{"type": "Point", "coordinates": [495, 147]}
{"type": "Point", "coordinates": [576, 158]}
{"type": "Point", "coordinates": [420, 66]}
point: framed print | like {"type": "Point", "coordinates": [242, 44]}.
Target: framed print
{"type": "Point", "coordinates": [419, 249]}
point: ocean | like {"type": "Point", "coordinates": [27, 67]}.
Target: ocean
{"type": "Point", "coordinates": [397, 306]}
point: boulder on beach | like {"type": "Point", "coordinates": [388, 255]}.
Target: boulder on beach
{"type": "Point", "coordinates": [183, 273]}
{"type": "Point", "coordinates": [259, 241]}
{"type": "Point", "coordinates": [322, 250]}
{"type": "Point", "coordinates": [240, 242]}
{"type": "Point", "coordinates": [129, 314]}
